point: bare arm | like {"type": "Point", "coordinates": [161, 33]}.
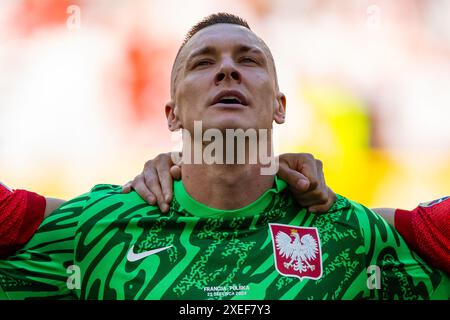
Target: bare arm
{"type": "Point", "coordinates": [387, 213]}
{"type": "Point", "coordinates": [51, 204]}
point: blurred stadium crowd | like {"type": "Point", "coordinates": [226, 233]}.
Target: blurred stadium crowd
{"type": "Point", "coordinates": [83, 86]}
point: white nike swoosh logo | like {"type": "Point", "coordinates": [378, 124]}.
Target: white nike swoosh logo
{"type": "Point", "coordinates": [138, 256]}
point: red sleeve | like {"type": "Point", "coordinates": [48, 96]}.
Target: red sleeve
{"type": "Point", "coordinates": [21, 213]}
{"type": "Point", "coordinates": [426, 229]}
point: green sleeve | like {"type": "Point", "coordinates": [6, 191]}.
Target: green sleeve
{"type": "Point", "coordinates": [42, 268]}
{"type": "Point", "coordinates": [394, 271]}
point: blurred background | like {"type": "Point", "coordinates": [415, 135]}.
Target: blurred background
{"type": "Point", "coordinates": [83, 86]}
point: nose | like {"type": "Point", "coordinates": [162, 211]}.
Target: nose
{"type": "Point", "coordinates": [227, 72]}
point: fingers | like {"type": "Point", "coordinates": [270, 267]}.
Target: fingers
{"type": "Point", "coordinates": [165, 180]}
{"type": "Point", "coordinates": [309, 168]}
{"type": "Point", "coordinates": [175, 172]}
{"type": "Point", "coordinates": [296, 180]}
{"type": "Point", "coordinates": [177, 161]}
{"type": "Point", "coordinates": [140, 187]}
{"type": "Point", "coordinates": [311, 198]}
{"type": "Point", "coordinates": [315, 195]}
{"type": "Point", "coordinates": [126, 188]}
{"type": "Point", "coordinates": [324, 207]}
{"type": "Point", "coordinates": [158, 180]}
{"type": "Point", "coordinates": [162, 164]}
{"type": "Point", "coordinates": [138, 184]}
{"type": "Point", "coordinates": [152, 183]}
{"type": "Point", "coordinates": [318, 208]}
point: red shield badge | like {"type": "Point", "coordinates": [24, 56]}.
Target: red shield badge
{"type": "Point", "coordinates": [297, 251]}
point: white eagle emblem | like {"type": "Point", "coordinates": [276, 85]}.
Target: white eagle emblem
{"type": "Point", "coordinates": [297, 251]}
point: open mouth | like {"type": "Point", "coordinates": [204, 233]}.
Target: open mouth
{"type": "Point", "coordinates": [230, 97]}
{"type": "Point", "coordinates": [230, 100]}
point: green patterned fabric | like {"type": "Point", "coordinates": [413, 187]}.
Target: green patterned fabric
{"type": "Point", "coordinates": [204, 253]}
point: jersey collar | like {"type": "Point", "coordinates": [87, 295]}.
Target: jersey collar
{"type": "Point", "coordinates": [200, 210]}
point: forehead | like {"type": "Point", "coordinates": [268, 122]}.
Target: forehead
{"type": "Point", "coordinates": [222, 36]}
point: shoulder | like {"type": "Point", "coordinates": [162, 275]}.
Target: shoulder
{"type": "Point", "coordinates": [341, 224]}
{"type": "Point", "coordinates": [359, 222]}
{"type": "Point", "coordinates": [105, 190]}
{"type": "Point", "coordinates": [107, 194]}
{"type": "Point", "coordinates": [349, 213]}
{"type": "Point", "coordinates": [103, 201]}
{"type": "Point", "coordinates": [108, 199]}
{"type": "Point", "coordinates": [357, 215]}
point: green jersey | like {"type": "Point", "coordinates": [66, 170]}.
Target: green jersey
{"type": "Point", "coordinates": [109, 245]}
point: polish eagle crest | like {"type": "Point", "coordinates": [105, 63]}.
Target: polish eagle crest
{"type": "Point", "coordinates": [297, 251]}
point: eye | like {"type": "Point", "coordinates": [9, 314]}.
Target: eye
{"type": "Point", "coordinates": [248, 60]}
{"type": "Point", "coordinates": [202, 63]}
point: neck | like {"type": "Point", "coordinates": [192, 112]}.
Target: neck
{"type": "Point", "coordinates": [225, 187]}
{"type": "Point", "coordinates": [224, 184]}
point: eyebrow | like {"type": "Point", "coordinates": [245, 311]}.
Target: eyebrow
{"type": "Point", "coordinates": [200, 52]}
{"type": "Point", "coordinates": [208, 50]}
{"type": "Point", "coordinates": [245, 48]}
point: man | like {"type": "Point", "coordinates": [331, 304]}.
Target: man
{"type": "Point", "coordinates": [231, 232]}
{"type": "Point", "coordinates": [426, 228]}
{"type": "Point", "coordinates": [22, 211]}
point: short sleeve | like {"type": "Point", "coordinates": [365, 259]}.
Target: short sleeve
{"type": "Point", "coordinates": [21, 212]}
{"type": "Point", "coordinates": [41, 268]}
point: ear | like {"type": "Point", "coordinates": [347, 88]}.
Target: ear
{"type": "Point", "coordinates": [173, 122]}
{"type": "Point", "coordinates": [280, 108]}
